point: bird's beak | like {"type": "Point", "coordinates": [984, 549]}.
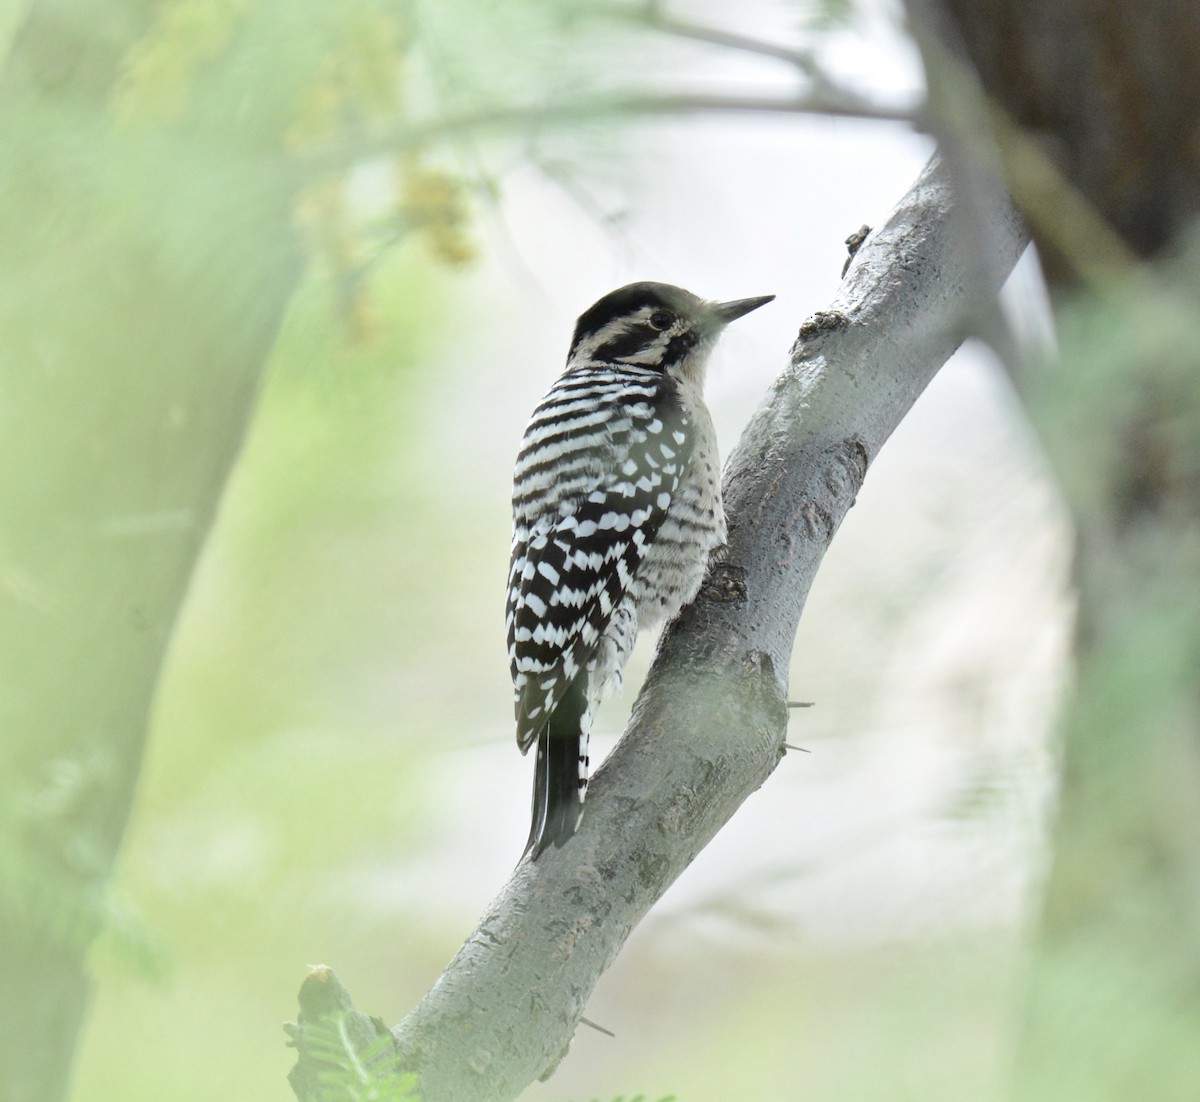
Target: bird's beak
{"type": "Point", "coordinates": [725, 312]}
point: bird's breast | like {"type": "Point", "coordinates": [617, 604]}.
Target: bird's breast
{"type": "Point", "coordinates": [673, 564]}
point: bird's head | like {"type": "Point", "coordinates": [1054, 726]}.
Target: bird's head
{"type": "Point", "coordinates": [657, 326]}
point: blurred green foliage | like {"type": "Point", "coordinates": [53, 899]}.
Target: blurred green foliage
{"type": "Point", "coordinates": [160, 215]}
{"type": "Point", "coordinates": [271, 785]}
{"type": "Point", "coordinates": [353, 1073]}
{"type": "Point", "coordinates": [1114, 981]}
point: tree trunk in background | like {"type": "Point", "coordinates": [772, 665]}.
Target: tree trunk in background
{"type": "Point", "coordinates": [1110, 93]}
{"type": "Point", "coordinates": [146, 272]}
{"type": "Point", "coordinates": [1110, 87]}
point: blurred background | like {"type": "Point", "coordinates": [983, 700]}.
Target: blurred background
{"type": "Point", "coordinates": [331, 775]}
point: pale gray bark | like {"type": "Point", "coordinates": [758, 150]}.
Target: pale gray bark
{"type": "Point", "coordinates": [709, 726]}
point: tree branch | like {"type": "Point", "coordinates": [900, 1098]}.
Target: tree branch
{"type": "Point", "coordinates": [401, 138]}
{"type": "Point", "coordinates": [655, 17]}
{"type": "Point", "coordinates": [709, 725]}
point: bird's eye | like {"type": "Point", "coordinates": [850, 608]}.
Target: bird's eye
{"type": "Point", "coordinates": [661, 320]}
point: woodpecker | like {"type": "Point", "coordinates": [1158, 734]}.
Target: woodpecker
{"type": "Point", "coordinates": [616, 508]}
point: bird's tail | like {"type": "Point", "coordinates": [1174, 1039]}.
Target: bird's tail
{"type": "Point", "coordinates": [560, 774]}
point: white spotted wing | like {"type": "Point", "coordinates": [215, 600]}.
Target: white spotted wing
{"type": "Point", "coordinates": [591, 492]}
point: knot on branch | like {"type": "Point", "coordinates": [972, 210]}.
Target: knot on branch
{"type": "Point", "coordinates": [818, 326]}
{"type": "Point", "coordinates": [725, 583]}
{"type": "Point", "coordinates": [851, 460]}
{"type": "Point", "coordinates": [842, 468]}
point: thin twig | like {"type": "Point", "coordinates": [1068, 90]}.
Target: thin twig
{"type": "Point", "coordinates": [654, 17]}
{"type": "Point", "coordinates": [404, 137]}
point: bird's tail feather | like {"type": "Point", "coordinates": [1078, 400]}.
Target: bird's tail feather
{"type": "Point", "coordinates": [560, 775]}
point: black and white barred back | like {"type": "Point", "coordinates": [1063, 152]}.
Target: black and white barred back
{"type": "Point", "coordinates": [616, 508]}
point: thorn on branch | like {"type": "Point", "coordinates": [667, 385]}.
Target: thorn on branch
{"type": "Point", "coordinates": [597, 1027]}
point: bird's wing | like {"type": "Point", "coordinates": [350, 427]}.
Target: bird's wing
{"type": "Point", "coordinates": [569, 573]}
